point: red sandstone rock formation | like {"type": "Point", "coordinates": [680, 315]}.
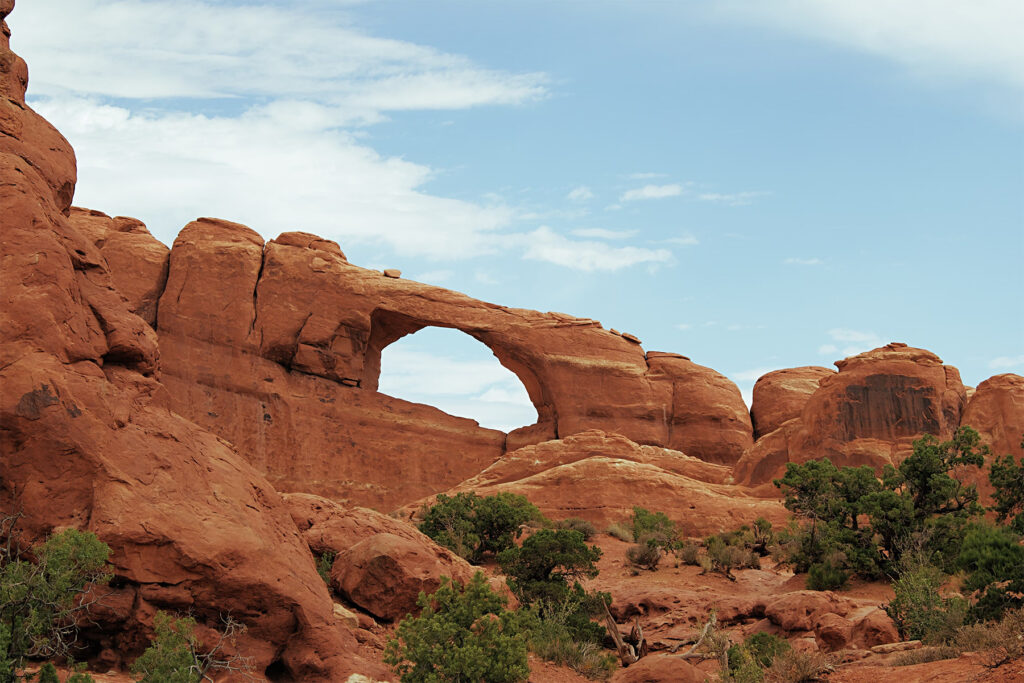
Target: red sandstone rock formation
{"type": "Point", "coordinates": [869, 413]}
{"type": "Point", "coordinates": [601, 477]}
{"type": "Point", "coordinates": [276, 347]}
{"type": "Point", "coordinates": [996, 410]}
{"type": "Point", "coordinates": [88, 441]}
{"type": "Point", "coordinates": [781, 395]}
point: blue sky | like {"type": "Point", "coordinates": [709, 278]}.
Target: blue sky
{"type": "Point", "coordinates": [756, 185]}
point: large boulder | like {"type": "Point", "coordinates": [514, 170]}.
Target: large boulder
{"type": "Point", "coordinates": [660, 668]}
{"type": "Point", "coordinates": [384, 574]}
{"type": "Point", "coordinates": [781, 395]}
{"type": "Point", "coordinates": [869, 413]}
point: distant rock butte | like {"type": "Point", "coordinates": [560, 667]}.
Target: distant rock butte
{"type": "Point", "coordinates": [869, 413]}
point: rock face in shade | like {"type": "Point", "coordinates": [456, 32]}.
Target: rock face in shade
{"type": "Point", "coordinates": [87, 440]}
{"type": "Point", "coordinates": [600, 477]}
{"type": "Point", "coordinates": [276, 348]}
{"type": "Point", "coordinates": [781, 395]}
{"type": "Point", "coordinates": [996, 410]}
{"type": "Point", "coordinates": [869, 413]}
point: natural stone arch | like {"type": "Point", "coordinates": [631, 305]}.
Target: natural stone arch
{"type": "Point", "coordinates": [388, 326]}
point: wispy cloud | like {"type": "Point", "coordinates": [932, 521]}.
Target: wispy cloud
{"type": "Point", "coordinates": [645, 176]}
{"type": "Point", "coordinates": [435, 276]}
{"type": "Point", "coordinates": [543, 244]}
{"type": "Point", "coordinates": [603, 234]}
{"type": "Point", "coordinates": [934, 39]}
{"type": "Point", "coordinates": [652, 192]}
{"type": "Point", "coordinates": [162, 49]}
{"type": "Point", "coordinates": [580, 194]}
{"type": "Point", "coordinates": [796, 261]}
{"type": "Point", "coordinates": [685, 240]}
{"type": "Point", "coordinates": [850, 342]}
{"type": "Point", "coordinates": [731, 199]}
{"type": "Point", "coordinates": [1006, 362]}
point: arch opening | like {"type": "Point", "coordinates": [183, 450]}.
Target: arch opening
{"type": "Point", "coordinates": [453, 371]}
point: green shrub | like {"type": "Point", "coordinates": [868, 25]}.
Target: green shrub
{"type": "Point", "coordinates": [545, 571]}
{"type": "Point", "coordinates": [743, 668]}
{"type": "Point", "coordinates": [688, 553]}
{"type": "Point", "coordinates": [39, 605]}
{"type": "Point", "coordinates": [1007, 478]}
{"type": "Point", "coordinates": [644, 555]}
{"type": "Point", "coordinates": [471, 525]}
{"type": "Point", "coordinates": [324, 562]}
{"type": "Point", "coordinates": [576, 524]}
{"type": "Point", "coordinates": [655, 527]}
{"type": "Point", "coordinates": [994, 561]}
{"type": "Point", "coordinates": [765, 647]}
{"type": "Point", "coordinates": [171, 656]}
{"type": "Point", "coordinates": [825, 576]}
{"type": "Point", "coordinates": [918, 609]}
{"type": "Point", "coordinates": [621, 532]}
{"type": "Point", "coordinates": [550, 638]}
{"type": "Point", "coordinates": [463, 633]}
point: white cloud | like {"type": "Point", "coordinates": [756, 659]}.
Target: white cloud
{"type": "Point", "coordinates": [580, 194]}
{"type": "Point", "coordinates": [259, 169]}
{"type": "Point", "coordinates": [543, 244]}
{"type": "Point", "coordinates": [731, 199]}
{"type": "Point", "coordinates": [645, 176]}
{"type": "Point", "coordinates": [1007, 362]}
{"type": "Point", "coordinates": [683, 326]}
{"type": "Point", "coordinates": [163, 49]}
{"type": "Point", "coordinates": [934, 39]}
{"type": "Point", "coordinates": [750, 375]}
{"type": "Point", "coordinates": [478, 388]}
{"type": "Point", "coordinates": [603, 234]}
{"type": "Point", "coordinates": [435, 276]}
{"type": "Point", "coordinates": [248, 112]}
{"type": "Point", "coordinates": [850, 342]}
{"type": "Point", "coordinates": [652, 192]}
{"type": "Point", "coordinates": [796, 261]}
{"type": "Point", "coordinates": [685, 240]}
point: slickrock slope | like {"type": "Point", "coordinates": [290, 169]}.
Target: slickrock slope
{"type": "Point", "coordinates": [869, 413]}
{"type": "Point", "coordinates": [86, 440]}
{"type": "Point", "coordinates": [276, 347]}
{"type": "Point", "coordinates": [600, 477]}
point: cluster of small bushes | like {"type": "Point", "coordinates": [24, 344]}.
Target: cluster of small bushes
{"type": "Point", "coordinates": [655, 536]}
{"type": "Point", "coordinates": [41, 604]}
{"type": "Point", "coordinates": [763, 657]}
{"type": "Point", "coordinates": [544, 573]}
